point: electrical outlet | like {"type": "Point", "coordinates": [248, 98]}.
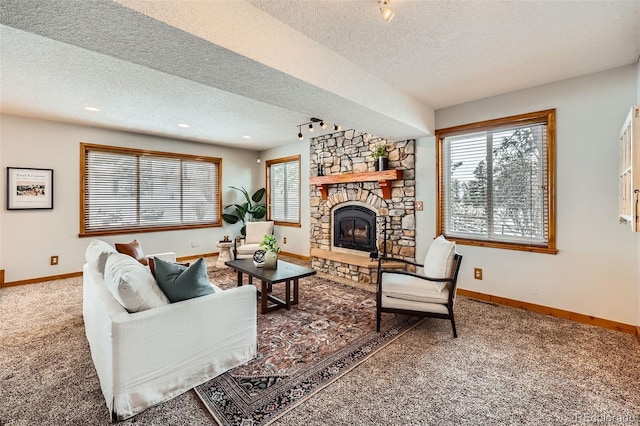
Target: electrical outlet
{"type": "Point", "coordinates": [54, 260]}
{"type": "Point", "coordinates": [419, 206]}
{"type": "Point", "coordinates": [477, 273]}
{"type": "Point", "coordinates": [284, 240]}
{"type": "Point", "coordinates": [195, 244]}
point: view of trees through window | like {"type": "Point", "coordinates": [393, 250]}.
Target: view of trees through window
{"type": "Point", "coordinates": [283, 183]}
{"type": "Point", "coordinates": [495, 184]}
{"type": "Point", "coordinates": [130, 190]}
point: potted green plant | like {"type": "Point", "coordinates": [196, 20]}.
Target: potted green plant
{"type": "Point", "coordinates": [253, 208]}
{"type": "Point", "coordinates": [271, 248]}
{"type": "Point", "coordinates": [379, 154]}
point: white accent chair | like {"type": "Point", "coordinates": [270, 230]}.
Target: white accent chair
{"type": "Point", "coordinates": [431, 293]}
{"type": "Point", "coordinates": [246, 246]}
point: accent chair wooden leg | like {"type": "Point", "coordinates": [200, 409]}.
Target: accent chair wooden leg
{"type": "Point", "coordinates": [453, 325]}
{"type": "Point", "coordinates": [378, 315]}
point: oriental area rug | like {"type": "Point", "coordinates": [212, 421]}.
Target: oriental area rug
{"type": "Point", "coordinates": [300, 351]}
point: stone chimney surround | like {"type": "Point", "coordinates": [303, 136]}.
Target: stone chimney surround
{"type": "Point", "coordinates": [350, 152]}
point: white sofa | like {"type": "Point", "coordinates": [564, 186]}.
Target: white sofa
{"type": "Point", "coordinates": [148, 357]}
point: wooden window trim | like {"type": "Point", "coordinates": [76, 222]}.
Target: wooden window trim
{"type": "Point", "coordinates": [268, 165]}
{"type": "Point", "coordinates": [85, 147]}
{"type": "Point", "coordinates": [545, 116]}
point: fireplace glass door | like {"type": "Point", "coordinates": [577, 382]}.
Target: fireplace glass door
{"type": "Point", "coordinates": [354, 228]}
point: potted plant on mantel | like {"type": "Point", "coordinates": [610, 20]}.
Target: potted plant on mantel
{"type": "Point", "coordinates": [379, 154]}
{"type": "Point", "coordinates": [271, 248]}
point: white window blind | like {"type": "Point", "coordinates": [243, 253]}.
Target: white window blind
{"type": "Point", "coordinates": [284, 191]}
{"type": "Point", "coordinates": [134, 190]}
{"type": "Point", "coordinates": [495, 185]}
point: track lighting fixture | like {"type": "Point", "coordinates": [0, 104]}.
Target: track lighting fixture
{"type": "Point", "coordinates": [386, 12]}
{"type": "Point", "coordinates": [310, 124]}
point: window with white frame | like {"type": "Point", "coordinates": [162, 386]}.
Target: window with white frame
{"type": "Point", "coordinates": [496, 182]}
{"type": "Point", "coordinates": [283, 190]}
{"type": "Point", "coordinates": [125, 190]}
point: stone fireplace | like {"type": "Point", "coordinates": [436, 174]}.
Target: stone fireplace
{"type": "Point", "coordinates": [351, 203]}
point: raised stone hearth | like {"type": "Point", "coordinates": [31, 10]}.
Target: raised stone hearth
{"type": "Point", "coordinates": [349, 265]}
{"type": "Point", "coordinates": [350, 152]}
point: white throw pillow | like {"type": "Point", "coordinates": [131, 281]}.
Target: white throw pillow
{"type": "Point", "coordinates": [96, 255]}
{"type": "Point", "coordinates": [439, 259]}
{"type": "Point", "coordinates": [257, 230]}
{"type": "Point", "coordinates": [132, 284]}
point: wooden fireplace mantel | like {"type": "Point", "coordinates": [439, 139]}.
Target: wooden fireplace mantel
{"type": "Point", "coordinates": [383, 178]}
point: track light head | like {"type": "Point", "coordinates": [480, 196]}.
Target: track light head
{"type": "Point", "coordinates": [300, 133]}
{"type": "Point", "coordinates": [310, 127]}
{"type": "Point", "coordinates": [337, 128]}
{"type": "Point", "coordinates": [323, 125]}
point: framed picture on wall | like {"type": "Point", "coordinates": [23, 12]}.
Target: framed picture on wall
{"type": "Point", "coordinates": [29, 189]}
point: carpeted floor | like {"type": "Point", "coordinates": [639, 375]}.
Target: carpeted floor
{"type": "Point", "coordinates": [300, 351]}
{"type": "Point", "coordinates": [507, 367]}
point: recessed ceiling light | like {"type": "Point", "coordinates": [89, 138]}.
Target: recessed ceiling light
{"type": "Point", "coordinates": [246, 137]}
{"type": "Point", "coordinates": [183, 125]}
{"type": "Point", "coordinates": [90, 108]}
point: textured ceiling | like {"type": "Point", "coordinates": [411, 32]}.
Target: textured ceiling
{"type": "Point", "coordinates": [260, 68]}
{"type": "Point", "coordinates": [448, 52]}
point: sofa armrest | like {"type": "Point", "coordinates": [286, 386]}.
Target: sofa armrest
{"type": "Point", "coordinates": [216, 330]}
{"type": "Point", "coordinates": [167, 257]}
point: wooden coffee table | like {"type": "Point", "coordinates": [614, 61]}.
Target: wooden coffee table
{"type": "Point", "coordinates": [285, 273]}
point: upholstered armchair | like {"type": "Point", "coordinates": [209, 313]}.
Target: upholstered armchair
{"type": "Point", "coordinates": [246, 246]}
{"type": "Point", "coordinates": [428, 293]}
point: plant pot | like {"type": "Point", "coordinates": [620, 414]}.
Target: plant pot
{"type": "Point", "coordinates": [381, 163]}
{"type": "Point", "coordinates": [270, 260]}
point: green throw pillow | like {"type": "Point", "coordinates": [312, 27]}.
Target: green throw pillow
{"type": "Point", "coordinates": [180, 282]}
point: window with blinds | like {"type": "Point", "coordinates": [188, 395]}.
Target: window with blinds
{"type": "Point", "coordinates": [283, 184]}
{"type": "Point", "coordinates": [126, 190]}
{"type": "Point", "coordinates": [496, 182]}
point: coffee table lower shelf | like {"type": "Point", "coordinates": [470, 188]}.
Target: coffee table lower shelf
{"type": "Point", "coordinates": [265, 297]}
{"type": "Point", "coordinates": [286, 273]}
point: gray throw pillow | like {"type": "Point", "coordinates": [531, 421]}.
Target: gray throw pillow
{"type": "Point", "coordinates": [180, 282]}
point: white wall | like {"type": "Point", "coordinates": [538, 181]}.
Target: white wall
{"type": "Point", "coordinates": [638, 234]}
{"type": "Point", "coordinates": [596, 270]}
{"type": "Point", "coordinates": [30, 237]}
{"type": "Point", "coordinates": [638, 82]}
{"type": "Point", "coordinates": [297, 237]}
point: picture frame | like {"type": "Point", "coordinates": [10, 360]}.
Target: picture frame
{"type": "Point", "coordinates": [29, 188]}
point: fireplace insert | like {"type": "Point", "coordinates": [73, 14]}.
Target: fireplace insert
{"type": "Point", "coordinates": [354, 227]}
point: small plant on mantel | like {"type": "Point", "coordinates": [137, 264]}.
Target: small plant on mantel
{"type": "Point", "coordinates": [379, 151]}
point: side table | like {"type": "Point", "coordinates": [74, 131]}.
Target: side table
{"type": "Point", "coordinates": [225, 253]}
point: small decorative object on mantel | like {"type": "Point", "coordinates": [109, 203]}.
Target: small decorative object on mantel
{"type": "Point", "coordinates": [270, 244]}
{"type": "Point", "coordinates": [320, 165]}
{"type": "Point", "coordinates": [379, 155]}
